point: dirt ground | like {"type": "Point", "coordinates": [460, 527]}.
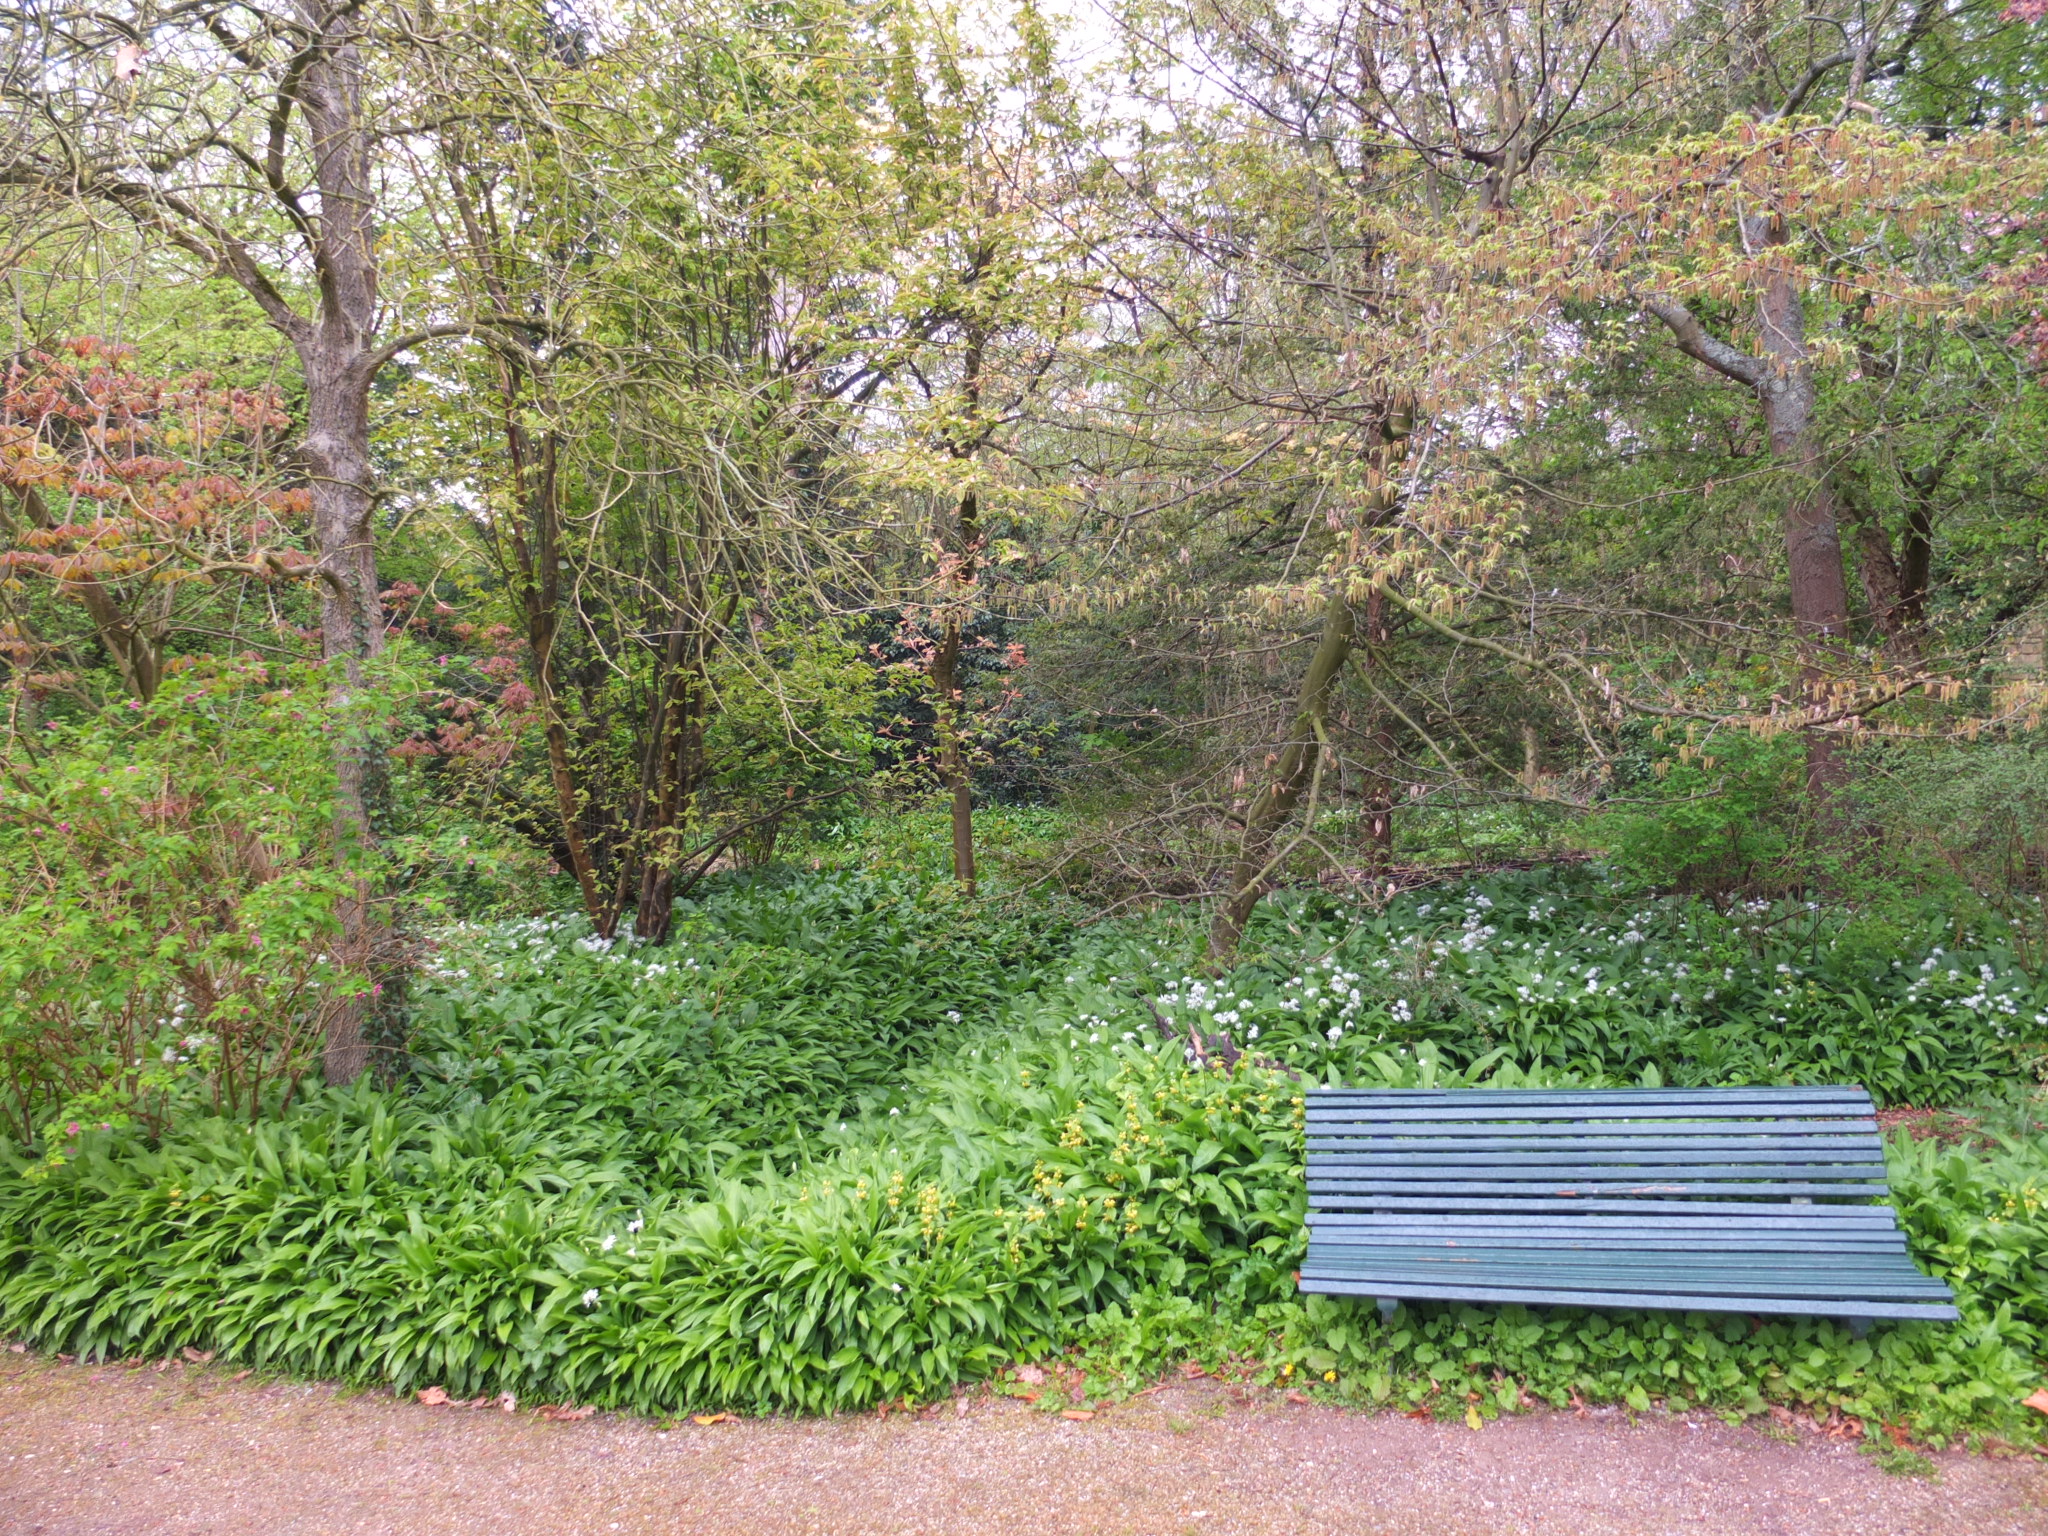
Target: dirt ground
{"type": "Point", "coordinates": [189, 1450]}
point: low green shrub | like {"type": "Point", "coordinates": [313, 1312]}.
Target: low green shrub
{"type": "Point", "coordinates": [1718, 812]}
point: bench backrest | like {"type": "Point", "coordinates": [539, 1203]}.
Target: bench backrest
{"type": "Point", "coordinates": [1624, 1150]}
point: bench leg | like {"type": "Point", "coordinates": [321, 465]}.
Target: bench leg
{"type": "Point", "coordinates": [1388, 1306]}
{"type": "Point", "coordinates": [1858, 1327]}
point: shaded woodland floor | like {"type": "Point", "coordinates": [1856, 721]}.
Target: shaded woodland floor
{"type": "Point", "coordinates": [185, 1450]}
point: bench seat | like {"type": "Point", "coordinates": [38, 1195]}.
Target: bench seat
{"type": "Point", "coordinates": [1748, 1200]}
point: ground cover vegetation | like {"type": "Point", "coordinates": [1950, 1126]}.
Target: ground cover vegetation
{"type": "Point", "coordinates": [713, 709]}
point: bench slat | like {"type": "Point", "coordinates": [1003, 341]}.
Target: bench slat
{"type": "Point", "coordinates": [1617, 1146]}
{"type": "Point", "coordinates": [1604, 1227]}
{"type": "Point", "coordinates": [1542, 1113]}
{"type": "Point", "coordinates": [1751, 1274]}
{"type": "Point", "coordinates": [1424, 1132]}
{"type": "Point", "coordinates": [1668, 1301]}
{"type": "Point", "coordinates": [1596, 1094]}
{"type": "Point", "coordinates": [1573, 1188]}
{"type": "Point", "coordinates": [1396, 1155]}
{"type": "Point", "coordinates": [1764, 1270]}
{"type": "Point", "coordinates": [1819, 1298]}
{"type": "Point", "coordinates": [1670, 1242]}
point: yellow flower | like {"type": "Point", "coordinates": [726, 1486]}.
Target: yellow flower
{"type": "Point", "coordinates": [1329, 1375]}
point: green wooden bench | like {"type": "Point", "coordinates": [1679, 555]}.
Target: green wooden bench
{"type": "Point", "coordinates": [1751, 1200]}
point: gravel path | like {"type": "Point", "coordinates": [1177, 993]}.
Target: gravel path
{"type": "Point", "coordinates": [186, 1450]}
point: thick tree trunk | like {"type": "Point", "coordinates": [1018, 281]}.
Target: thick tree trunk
{"type": "Point", "coordinates": [334, 353]}
{"type": "Point", "coordinates": [1782, 380]}
{"type": "Point", "coordinates": [1916, 557]}
{"type": "Point", "coordinates": [351, 631]}
{"type": "Point", "coordinates": [1813, 534]}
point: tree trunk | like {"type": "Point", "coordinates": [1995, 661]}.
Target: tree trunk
{"type": "Point", "coordinates": [1782, 380]}
{"type": "Point", "coordinates": [678, 747]}
{"type": "Point", "coordinates": [951, 707]}
{"type": "Point", "coordinates": [1813, 535]}
{"type": "Point", "coordinates": [676, 774]}
{"type": "Point", "coordinates": [334, 353]}
{"type": "Point", "coordinates": [1295, 773]}
{"type": "Point", "coordinates": [1374, 637]}
{"type": "Point", "coordinates": [1916, 559]}
{"type": "Point", "coordinates": [1884, 580]}
{"type": "Point", "coordinates": [539, 578]}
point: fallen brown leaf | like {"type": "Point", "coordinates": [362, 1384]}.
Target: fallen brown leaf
{"type": "Point", "coordinates": [1031, 1375]}
{"type": "Point", "coordinates": [709, 1418]}
{"type": "Point", "coordinates": [1077, 1414]}
{"type": "Point", "coordinates": [2037, 1400]}
{"type": "Point", "coordinates": [197, 1356]}
{"type": "Point", "coordinates": [562, 1413]}
{"type": "Point", "coordinates": [433, 1397]}
{"type": "Point", "coordinates": [1420, 1413]}
{"type": "Point", "coordinates": [1192, 1369]}
{"type": "Point", "coordinates": [1030, 1397]}
{"type": "Point", "coordinates": [1297, 1397]}
{"type": "Point", "coordinates": [241, 1376]}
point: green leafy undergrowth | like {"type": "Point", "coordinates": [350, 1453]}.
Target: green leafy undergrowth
{"type": "Point", "coordinates": [776, 1009]}
{"type": "Point", "coordinates": [1553, 970]}
{"type": "Point", "coordinates": [767, 1168]}
{"type": "Point", "coordinates": [1942, 1385]}
{"type": "Point", "coordinates": [366, 1237]}
{"type": "Point", "coordinates": [1977, 1216]}
{"type": "Point", "coordinates": [1118, 1204]}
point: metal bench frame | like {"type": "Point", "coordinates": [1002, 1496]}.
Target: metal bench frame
{"type": "Point", "coordinates": [1747, 1200]}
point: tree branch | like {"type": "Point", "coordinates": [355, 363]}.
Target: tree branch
{"type": "Point", "coordinates": [493, 331]}
{"type": "Point", "coordinates": [1695, 341]}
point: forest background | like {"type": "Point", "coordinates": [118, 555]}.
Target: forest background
{"type": "Point", "coordinates": [466, 463]}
